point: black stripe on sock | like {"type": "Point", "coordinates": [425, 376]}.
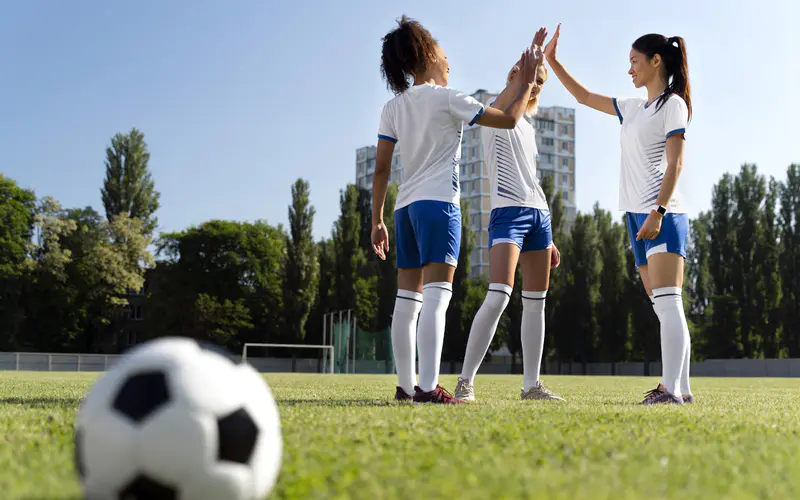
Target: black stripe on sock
{"type": "Point", "coordinates": [439, 287]}
{"type": "Point", "coordinates": [501, 291]}
{"type": "Point", "coordinates": [533, 298]}
{"type": "Point", "coordinates": [409, 298]}
{"type": "Point", "coordinates": [668, 295]}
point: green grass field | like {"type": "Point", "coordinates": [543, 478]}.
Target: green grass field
{"type": "Point", "coordinates": [345, 439]}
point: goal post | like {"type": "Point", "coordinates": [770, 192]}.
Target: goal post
{"type": "Point", "coordinates": [328, 348]}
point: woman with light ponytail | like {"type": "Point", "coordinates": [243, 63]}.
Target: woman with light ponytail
{"type": "Point", "coordinates": [519, 232]}
{"type": "Point", "coordinates": [652, 141]}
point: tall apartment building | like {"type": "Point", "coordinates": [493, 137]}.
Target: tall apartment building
{"type": "Point", "coordinates": [555, 140]}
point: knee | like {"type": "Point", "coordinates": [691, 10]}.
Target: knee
{"type": "Point", "coordinates": [533, 301]}
{"type": "Point", "coordinates": [497, 297]}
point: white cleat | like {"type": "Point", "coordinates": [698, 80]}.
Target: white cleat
{"type": "Point", "coordinates": [539, 392]}
{"type": "Point", "coordinates": [464, 390]}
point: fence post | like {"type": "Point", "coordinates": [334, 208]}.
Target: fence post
{"type": "Point", "coordinates": [355, 326]}
{"type": "Point", "coordinates": [324, 339]}
{"type": "Point", "coordinates": [16, 362]}
{"type": "Point", "coordinates": [331, 350]}
{"type": "Point", "coordinates": [49, 362]}
{"type": "Point", "coordinates": [79, 362]}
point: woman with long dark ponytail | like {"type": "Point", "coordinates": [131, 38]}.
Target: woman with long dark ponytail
{"type": "Point", "coordinates": [652, 142]}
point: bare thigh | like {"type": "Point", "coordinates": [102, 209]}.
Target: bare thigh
{"type": "Point", "coordinates": [503, 258]}
{"type": "Point", "coordinates": [536, 270]}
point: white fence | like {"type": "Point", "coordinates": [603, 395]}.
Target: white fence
{"type": "Point", "coordinates": [29, 361]}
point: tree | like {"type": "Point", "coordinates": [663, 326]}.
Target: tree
{"type": "Point", "coordinates": [749, 190]}
{"type": "Point", "coordinates": [350, 256]}
{"type": "Point", "coordinates": [768, 265]}
{"type": "Point", "coordinates": [237, 266]}
{"type": "Point", "coordinates": [129, 187]}
{"type": "Point", "coordinates": [577, 314]}
{"type": "Point", "coordinates": [613, 311]}
{"type": "Point", "coordinates": [17, 217]}
{"type": "Point", "coordinates": [557, 276]}
{"type": "Point", "coordinates": [699, 286]}
{"type": "Point", "coordinates": [724, 340]}
{"type": "Point", "coordinates": [324, 302]}
{"type": "Point", "coordinates": [85, 266]}
{"type": "Point", "coordinates": [301, 266]}
{"type": "Point", "coordinates": [790, 260]}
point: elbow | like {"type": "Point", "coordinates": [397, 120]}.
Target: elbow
{"type": "Point", "coordinates": [582, 98]}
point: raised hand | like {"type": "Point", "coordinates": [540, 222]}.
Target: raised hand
{"type": "Point", "coordinates": [552, 46]}
{"type": "Point", "coordinates": [538, 42]}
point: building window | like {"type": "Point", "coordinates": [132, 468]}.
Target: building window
{"type": "Point", "coordinates": [565, 147]}
{"type": "Point", "coordinates": [545, 125]}
{"type": "Point", "coordinates": [472, 169]}
{"type": "Point", "coordinates": [547, 141]}
{"type": "Point", "coordinates": [564, 130]}
{"type": "Point", "coordinates": [564, 179]}
{"type": "Point", "coordinates": [565, 162]}
{"type": "Point", "coordinates": [566, 195]}
{"type": "Point", "coordinates": [131, 338]}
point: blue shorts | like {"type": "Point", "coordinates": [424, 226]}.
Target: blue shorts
{"type": "Point", "coordinates": [671, 239]}
{"type": "Point", "coordinates": [528, 228]}
{"type": "Point", "coordinates": [427, 231]}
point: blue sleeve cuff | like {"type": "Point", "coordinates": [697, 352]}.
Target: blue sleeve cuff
{"type": "Point", "coordinates": [386, 137]}
{"type": "Point", "coordinates": [477, 116]}
{"type": "Point", "coordinates": [676, 131]}
{"type": "Point", "coordinates": [616, 108]}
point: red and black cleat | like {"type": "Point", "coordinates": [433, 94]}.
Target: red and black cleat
{"type": "Point", "coordinates": [438, 395]}
{"type": "Point", "coordinates": [401, 395]}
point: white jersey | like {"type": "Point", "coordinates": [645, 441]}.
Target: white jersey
{"type": "Point", "coordinates": [644, 151]}
{"type": "Point", "coordinates": [427, 122]}
{"type": "Point", "coordinates": [510, 159]}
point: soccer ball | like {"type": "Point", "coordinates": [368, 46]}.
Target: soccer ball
{"type": "Point", "coordinates": [178, 420]}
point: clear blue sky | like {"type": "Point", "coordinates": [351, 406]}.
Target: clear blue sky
{"type": "Point", "coordinates": [238, 99]}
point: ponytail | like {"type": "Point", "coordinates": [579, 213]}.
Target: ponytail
{"type": "Point", "coordinates": [673, 55]}
{"type": "Point", "coordinates": [407, 51]}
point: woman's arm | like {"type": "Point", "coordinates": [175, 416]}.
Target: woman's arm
{"type": "Point", "coordinates": [652, 225]}
{"type": "Point", "coordinates": [576, 88]}
{"type": "Point", "coordinates": [380, 182]}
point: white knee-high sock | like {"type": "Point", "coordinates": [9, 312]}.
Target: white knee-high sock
{"type": "Point", "coordinates": [674, 335]}
{"type": "Point", "coordinates": [483, 328]}
{"type": "Point", "coordinates": [435, 299]}
{"type": "Point", "coordinates": [687, 361]}
{"type": "Point", "coordinates": [532, 337]}
{"type": "Point", "coordinates": [404, 338]}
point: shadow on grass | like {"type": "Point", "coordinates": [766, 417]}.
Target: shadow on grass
{"type": "Point", "coordinates": [41, 402]}
{"type": "Point", "coordinates": [337, 403]}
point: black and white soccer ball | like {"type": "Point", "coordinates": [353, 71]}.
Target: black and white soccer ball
{"type": "Point", "coordinates": [177, 420]}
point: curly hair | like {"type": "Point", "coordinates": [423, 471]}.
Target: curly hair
{"type": "Point", "coordinates": [407, 50]}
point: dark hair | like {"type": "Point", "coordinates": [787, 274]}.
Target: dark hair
{"type": "Point", "coordinates": [407, 51]}
{"type": "Point", "coordinates": [673, 54]}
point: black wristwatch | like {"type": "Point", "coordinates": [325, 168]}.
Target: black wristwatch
{"type": "Point", "coordinates": [662, 210]}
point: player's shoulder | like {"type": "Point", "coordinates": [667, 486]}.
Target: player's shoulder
{"type": "Point", "coordinates": [676, 100]}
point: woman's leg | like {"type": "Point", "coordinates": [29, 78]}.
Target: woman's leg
{"type": "Point", "coordinates": [503, 259]}
{"type": "Point", "coordinates": [436, 294]}
{"type": "Point", "coordinates": [665, 276]}
{"type": "Point", "coordinates": [535, 281]}
{"type": "Point", "coordinates": [404, 329]}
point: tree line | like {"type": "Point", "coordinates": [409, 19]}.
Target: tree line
{"type": "Point", "coordinates": [69, 278]}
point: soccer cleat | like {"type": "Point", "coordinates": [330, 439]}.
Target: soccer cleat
{"type": "Point", "coordinates": [663, 398]}
{"type": "Point", "coordinates": [653, 393]}
{"type": "Point", "coordinates": [539, 392]}
{"type": "Point", "coordinates": [464, 390]}
{"type": "Point", "coordinates": [438, 395]}
{"type": "Point", "coordinates": [400, 395]}
{"type": "Point", "coordinates": [688, 398]}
